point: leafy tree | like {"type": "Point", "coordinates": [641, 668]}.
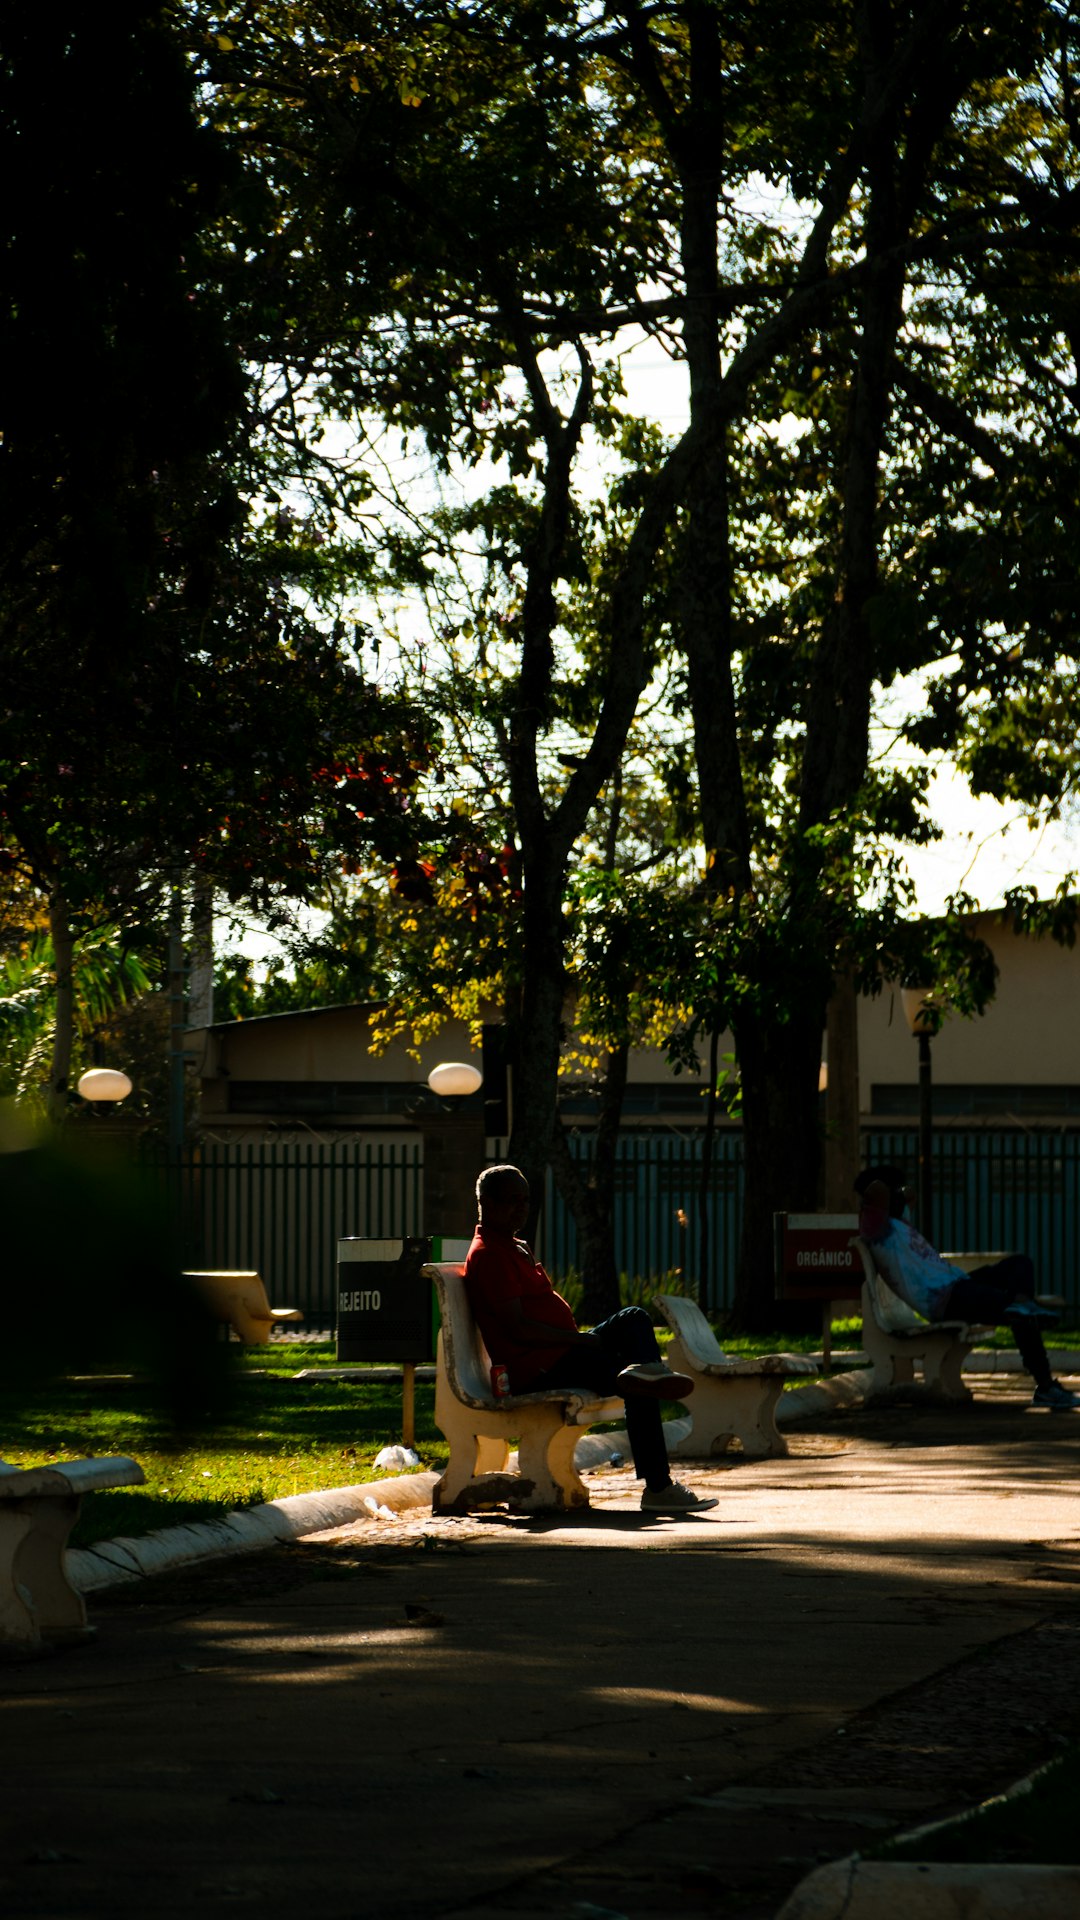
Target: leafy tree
{"type": "Point", "coordinates": [472, 205]}
{"type": "Point", "coordinates": [169, 701]}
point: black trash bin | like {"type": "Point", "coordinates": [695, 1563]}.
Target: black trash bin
{"type": "Point", "coordinates": [385, 1305]}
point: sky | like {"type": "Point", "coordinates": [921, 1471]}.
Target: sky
{"type": "Point", "coordinates": [986, 847]}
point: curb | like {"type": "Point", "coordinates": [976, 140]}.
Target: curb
{"type": "Point", "coordinates": [912, 1890]}
{"type": "Point", "coordinates": [111, 1562]}
{"type": "Point", "coordinates": [980, 1360]}
{"type": "Point", "coordinates": [823, 1396]}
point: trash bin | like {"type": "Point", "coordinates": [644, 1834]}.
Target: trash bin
{"type": "Point", "coordinates": [385, 1306]}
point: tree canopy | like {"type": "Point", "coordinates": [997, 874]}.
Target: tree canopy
{"type": "Point", "coordinates": [435, 233]}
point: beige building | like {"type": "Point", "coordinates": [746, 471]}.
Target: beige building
{"type": "Point", "coordinates": [1019, 1061]}
{"type": "Point", "coordinates": [314, 1072]}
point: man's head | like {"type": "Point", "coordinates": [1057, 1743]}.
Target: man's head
{"type": "Point", "coordinates": [884, 1185]}
{"type": "Point", "coordinates": [502, 1197]}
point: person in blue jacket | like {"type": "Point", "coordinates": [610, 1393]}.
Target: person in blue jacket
{"type": "Point", "coordinates": [1001, 1294]}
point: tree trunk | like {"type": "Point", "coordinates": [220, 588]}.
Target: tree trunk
{"type": "Point", "coordinates": [63, 946]}
{"type": "Point", "coordinates": [708, 1148]}
{"type": "Point", "coordinates": [591, 1199]}
{"type": "Point", "coordinates": [538, 1039]}
{"type": "Point", "coordinates": [201, 971]}
{"type": "Point", "coordinates": [842, 1096]}
{"type": "Point", "coordinates": [781, 1143]}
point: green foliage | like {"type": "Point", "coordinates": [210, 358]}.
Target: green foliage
{"type": "Point", "coordinates": [397, 255]}
{"type": "Point", "coordinates": [90, 1253]}
{"type": "Point", "coordinates": [635, 1290]}
{"type": "Point", "coordinates": [1034, 1826]}
{"type": "Point", "coordinates": [274, 1437]}
{"type": "Point", "coordinates": [107, 977]}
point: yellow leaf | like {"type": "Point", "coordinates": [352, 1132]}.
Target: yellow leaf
{"type": "Point", "coordinates": [354, 83]}
{"type": "Point", "coordinates": [225, 43]}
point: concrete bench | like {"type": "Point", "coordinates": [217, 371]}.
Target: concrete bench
{"type": "Point", "coordinates": [238, 1299]}
{"type": "Point", "coordinates": [894, 1337]}
{"type": "Point", "coordinates": [38, 1508]}
{"type": "Point", "coordinates": [479, 1427]}
{"type": "Point", "coordinates": [733, 1399]}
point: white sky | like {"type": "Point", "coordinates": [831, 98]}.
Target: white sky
{"type": "Point", "coordinates": [986, 847]}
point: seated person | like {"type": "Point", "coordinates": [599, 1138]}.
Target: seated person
{"type": "Point", "coordinates": [530, 1330]}
{"type": "Point", "coordinates": [1000, 1294]}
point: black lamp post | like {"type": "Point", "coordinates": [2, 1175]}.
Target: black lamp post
{"type": "Point", "coordinates": [924, 1018]}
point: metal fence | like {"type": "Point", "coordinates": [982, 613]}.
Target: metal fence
{"type": "Point", "coordinates": [656, 1215]}
{"type": "Point", "coordinates": [1007, 1189]}
{"type": "Point", "coordinates": [283, 1208]}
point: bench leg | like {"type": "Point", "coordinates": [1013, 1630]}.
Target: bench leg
{"type": "Point", "coordinates": [546, 1480]}
{"type": "Point", "coordinates": [942, 1371]}
{"type": "Point", "coordinates": [60, 1610]}
{"type": "Point", "coordinates": [37, 1600]}
{"type": "Point", "coordinates": [471, 1456]}
{"type": "Point", "coordinates": [549, 1480]}
{"type": "Point", "coordinates": [18, 1626]}
{"type": "Point", "coordinates": [471, 1453]}
{"type": "Point", "coordinates": [893, 1365]}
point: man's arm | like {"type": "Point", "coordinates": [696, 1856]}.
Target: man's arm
{"type": "Point", "coordinates": [536, 1333]}
{"type": "Point", "coordinates": [493, 1289]}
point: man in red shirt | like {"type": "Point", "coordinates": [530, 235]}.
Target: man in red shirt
{"type": "Point", "coordinates": [530, 1330]}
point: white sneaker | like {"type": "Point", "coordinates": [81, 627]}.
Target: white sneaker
{"type": "Point", "coordinates": [675, 1498]}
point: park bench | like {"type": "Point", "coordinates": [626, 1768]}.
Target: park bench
{"type": "Point", "coordinates": [733, 1399]}
{"type": "Point", "coordinates": [38, 1508]}
{"type": "Point", "coordinates": [480, 1427]}
{"type": "Point", "coordinates": [894, 1337]}
{"type": "Point", "coordinates": [238, 1299]}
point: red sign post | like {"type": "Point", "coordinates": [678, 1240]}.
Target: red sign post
{"type": "Point", "coordinates": [815, 1261]}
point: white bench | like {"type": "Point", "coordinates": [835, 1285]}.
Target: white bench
{"type": "Point", "coordinates": [237, 1297]}
{"type": "Point", "coordinates": [479, 1427]}
{"type": "Point", "coordinates": [733, 1399]}
{"type": "Point", "coordinates": [895, 1337]}
{"type": "Point", "coordinates": [38, 1508]}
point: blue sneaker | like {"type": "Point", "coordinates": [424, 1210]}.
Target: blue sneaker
{"type": "Point", "coordinates": [1056, 1397]}
{"type": "Point", "coordinates": [1031, 1310]}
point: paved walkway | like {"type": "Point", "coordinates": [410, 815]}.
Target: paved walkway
{"type": "Point", "coordinates": [619, 1715]}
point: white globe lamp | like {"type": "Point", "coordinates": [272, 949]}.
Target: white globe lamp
{"type": "Point", "coordinates": [104, 1084]}
{"type": "Point", "coordinates": [454, 1079]}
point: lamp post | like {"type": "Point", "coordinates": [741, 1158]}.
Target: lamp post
{"type": "Point", "coordinates": [451, 1159]}
{"type": "Point", "coordinates": [453, 1149]}
{"type": "Point", "coordinates": [923, 1018]}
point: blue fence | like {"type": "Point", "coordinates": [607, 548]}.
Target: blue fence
{"type": "Point", "coordinates": [1007, 1189]}
{"type": "Point", "coordinates": [283, 1208]}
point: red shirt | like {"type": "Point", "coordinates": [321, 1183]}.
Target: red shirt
{"type": "Point", "coordinates": [498, 1269]}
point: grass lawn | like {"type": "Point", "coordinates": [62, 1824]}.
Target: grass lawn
{"type": "Point", "coordinates": [1034, 1828]}
{"type": "Point", "coordinates": [279, 1436]}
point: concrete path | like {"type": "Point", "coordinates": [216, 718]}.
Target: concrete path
{"type": "Point", "coordinates": [619, 1715]}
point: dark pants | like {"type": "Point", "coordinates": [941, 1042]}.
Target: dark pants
{"type": "Point", "coordinates": [988, 1294]}
{"type": "Point", "coordinates": [628, 1336]}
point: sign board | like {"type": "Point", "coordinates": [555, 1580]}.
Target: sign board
{"type": "Point", "coordinates": [385, 1306]}
{"type": "Point", "coordinates": [814, 1257]}
{"type": "Point", "coordinates": [386, 1309]}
